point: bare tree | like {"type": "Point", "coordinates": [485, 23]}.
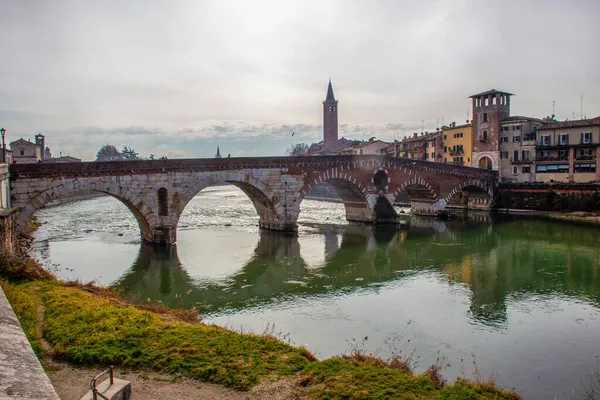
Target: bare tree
{"type": "Point", "coordinates": [299, 149]}
{"type": "Point", "coordinates": [108, 152]}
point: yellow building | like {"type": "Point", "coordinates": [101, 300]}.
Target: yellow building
{"type": "Point", "coordinates": [458, 144]}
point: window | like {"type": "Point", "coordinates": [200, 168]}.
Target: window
{"type": "Point", "coordinates": [445, 137]}
{"type": "Point", "coordinates": [516, 155]}
{"type": "Point", "coordinates": [526, 155]}
{"type": "Point", "coordinates": [563, 139]}
{"type": "Point", "coordinates": [516, 128]}
{"type": "Point", "coordinates": [504, 139]}
{"type": "Point", "coordinates": [505, 129]}
{"type": "Point", "coordinates": [445, 149]}
{"type": "Point", "coordinates": [163, 202]}
{"type": "Point", "coordinates": [515, 170]}
{"type": "Point", "coordinates": [445, 160]}
{"type": "Point", "coordinates": [504, 155]}
{"type": "Point", "coordinates": [526, 169]}
{"type": "Point", "coordinates": [485, 119]}
{"type": "Point", "coordinates": [516, 139]}
{"type": "Point", "coordinates": [546, 140]}
{"type": "Point", "coordinates": [461, 134]}
{"type": "Point", "coordinates": [485, 135]}
{"type": "Point", "coordinates": [585, 167]}
{"type": "Point", "coordinates": [22, 152]}
{"type": "Point", "coordinates": [586, 137]}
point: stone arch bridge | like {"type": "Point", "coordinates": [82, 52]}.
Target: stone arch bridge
{"type": "Point", "coordinates": [157, 191]}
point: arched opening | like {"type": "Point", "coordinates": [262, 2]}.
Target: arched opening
{"type": "Point", "coordinates": [322, 205]}
{"type": "Point", "coordinates": [347, 194]}
{"type": "Point", "coordinates": [380, 180]}
{"type": "Point", "coordinates": [225, 203]}
{"type": "Point", "coordinates": [52, 196]}
{"type": "Point", "coordinates": [469, 197]}
{"type": "Point", "coordinates": [103, 230]}
{"type": "Point", "coordinates": [485, 163]}
{"type": "Point", "coordinates": [418, 197]}
{"type": "Point", "coordinates": [163, 202]}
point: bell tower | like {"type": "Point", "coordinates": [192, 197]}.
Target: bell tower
{"type": "Point", "coordinates": [330, 120]}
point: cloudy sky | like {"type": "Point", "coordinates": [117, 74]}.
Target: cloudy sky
{"type": "Point", "coordinates": [177, 78]}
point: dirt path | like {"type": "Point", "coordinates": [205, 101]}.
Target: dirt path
{"type": "Point", "coordinates": [73, 383]}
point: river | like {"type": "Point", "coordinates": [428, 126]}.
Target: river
{"type": "Point", "coordinates": [517, 298]}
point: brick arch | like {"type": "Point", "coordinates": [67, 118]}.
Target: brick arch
{"type": "Point", "coordinates": [269, 207]}
{"type": "Point", "coordinates": [142, 213]}
{"type": "Point", "coordinates": [466, 184]}
{"type": "Point", "coordinates": [351, 190]}
{"type": "Point", "coordinates": [416, 181]}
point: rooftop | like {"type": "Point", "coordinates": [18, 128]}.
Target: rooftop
{"type": "Point", "coordinates": [493, 91]}
{"type": "Point", "coordinates": [520, 118]}
{"type": "Point", "coordinates": [571, 124]}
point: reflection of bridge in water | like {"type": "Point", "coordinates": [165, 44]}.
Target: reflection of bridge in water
{"type": "Point", "coordinates": [493, 261]}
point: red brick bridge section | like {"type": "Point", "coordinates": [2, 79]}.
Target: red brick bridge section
{"type": "Point", "coordinates": [157, 191]}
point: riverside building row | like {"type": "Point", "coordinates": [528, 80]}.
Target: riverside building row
{"type": "Point", "coordinates": [520, 148]}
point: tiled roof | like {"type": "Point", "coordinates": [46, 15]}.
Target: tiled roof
{"type": "Point", "coordinates": [571, 124]}
{"type": "Point", "coordinates": [493, 91]}
{"type": "Point", "coordinates": [520, 118]}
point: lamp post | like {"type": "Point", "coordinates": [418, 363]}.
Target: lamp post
{"type": "Point", "coordinates": [3, 132]}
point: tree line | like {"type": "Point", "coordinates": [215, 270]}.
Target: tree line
{"type": "Point", "coordinates": [108, 152]}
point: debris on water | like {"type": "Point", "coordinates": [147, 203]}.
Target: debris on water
{"type": "Point", "coordinates": [227, 224]}
{"type": "Point", "coordinates": [119, 234]}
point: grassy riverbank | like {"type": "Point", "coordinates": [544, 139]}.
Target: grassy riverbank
{"type": "Point", "coordinates": [84, 325]}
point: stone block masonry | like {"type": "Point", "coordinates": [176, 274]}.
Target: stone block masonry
{"type": "Point", "coordinates": [21, 375]}
{"type": "Point", "coordinates": [158, 191]}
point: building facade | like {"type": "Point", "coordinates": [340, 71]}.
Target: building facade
{"type": "Point", "coordinates": [517, 149]}
{"type": "Point", "coordinates": [458, 144]}
{"type": "Point", "coordinates": [24, 151]}
{"type": "Point", "coordinates": [568, 151]}
{"type": "Point", "coordinates": [489, 110]}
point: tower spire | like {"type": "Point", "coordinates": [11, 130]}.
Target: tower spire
{"type": "Point", "coordinates": [330, 96]}
{"type": "Point", "coordinates": [218, 155]}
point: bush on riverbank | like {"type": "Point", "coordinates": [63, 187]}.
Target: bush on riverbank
{"type": "Point", "coordinates": [88, 327]}
{"type": "Point", "coordinates": [22, 268]}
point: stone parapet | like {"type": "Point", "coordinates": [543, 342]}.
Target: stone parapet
{"type": "Point", "coordinates": [21, 374]}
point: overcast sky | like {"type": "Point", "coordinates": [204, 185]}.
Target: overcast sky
{"type": "Point", "coordinates": [177, 78]}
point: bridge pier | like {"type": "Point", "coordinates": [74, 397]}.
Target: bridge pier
{"type": "Point", "coordinates": [427, 208]}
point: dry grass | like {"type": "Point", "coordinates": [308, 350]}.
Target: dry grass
{"type": "Point", "coordinates": [22, 268]}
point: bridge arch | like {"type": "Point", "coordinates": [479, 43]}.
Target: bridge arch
{"type": "Point", "coordinates": [471, 194]}
{"type": "Point", "coordinates": [140, 210]}
{"type": "Point", "coordinates": [270, 208]}
{"type": "Point", "coordinates": [349, 188]}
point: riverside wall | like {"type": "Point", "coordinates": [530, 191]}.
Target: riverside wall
{"type": "Point", "coordinates": [556, 197]}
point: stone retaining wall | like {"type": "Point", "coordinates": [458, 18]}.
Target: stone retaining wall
{"type": "Point", "coordinates": [21, 374]}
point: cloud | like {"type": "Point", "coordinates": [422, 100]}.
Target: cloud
{"type": "Point", "coordinates": [183, 76]}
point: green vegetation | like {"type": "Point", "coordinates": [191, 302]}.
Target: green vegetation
{"type": "Point", "coordinates": [91, 326]}
{"type": "Point", "coordinates": [25, 308]}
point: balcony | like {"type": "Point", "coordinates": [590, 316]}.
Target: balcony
{"type": "Point", "coordinates": [521, 161]}
{"type": "Point", "coordinates": [585, 158]}
{"type": "Point", "coordinates": [458, 162]}
{"type": "Point", "coordinates": [457, 152]}
{"type": "Point", "coordinates": [554, 159]}
{"type": "Point", "coordinates": [540, 143]}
